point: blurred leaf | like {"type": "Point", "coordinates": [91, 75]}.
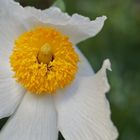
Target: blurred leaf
{"type": "Point", "coordinates": [39, 4]}
{"type": "Point", "coordinates": [60, 4]}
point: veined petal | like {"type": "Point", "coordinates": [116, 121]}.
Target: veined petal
{"type": "Point", "coordinates": [6, 6]}
{"type": "Point", "coordinates": [76, 27]}
{"type": "Point", "coordinates": [11, 27]}
{"type": "Point", "coordinates": [13, 22]}
{"type": "Point", "coordinates": [10, 92]}
{"type": "Point", "coordinates": [10, 96]}
{"type": "Point", "coordinates": [84, 112]}
{"type": "Point", "coordinates": [35, 119]}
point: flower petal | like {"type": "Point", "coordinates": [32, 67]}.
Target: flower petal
{"type": "Point", "coordinates": [35, 119]}
{"type": "Point", "coordinates": [12, 24]}
{"type": "Point", "coordinates": [77, 27]}
{"type": "Point", "coordinates": [10, 92]}
{"type": "Point", "coordinates": [84, 112]}
{"type": "Point", "coordinates": [10, 96]}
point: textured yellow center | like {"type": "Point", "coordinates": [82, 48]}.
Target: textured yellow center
{"type": "Point", "coordinates": [44, 60]}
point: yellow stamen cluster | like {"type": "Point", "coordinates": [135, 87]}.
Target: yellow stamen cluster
{"type": "Point", "coordinates": [44, 60]}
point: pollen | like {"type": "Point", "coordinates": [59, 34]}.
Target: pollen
{"type": "Point", "coordinates": [44, 60]}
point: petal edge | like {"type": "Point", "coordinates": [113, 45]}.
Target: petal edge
{"type": "Point", "coordinates": [85, 114]}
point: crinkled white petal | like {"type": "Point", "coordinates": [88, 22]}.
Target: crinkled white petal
{"type": "Point", "coordinates": [76, 27]}
{"type": "Point", "coordinates": [10, 92]}
{"type": "Point", "coordinates": [84, 112]}
{"type": "Point", "coordinates": [13, 8]}
{"type": "Point", "coordinates": [35, 119]}
{"type": "Point", "coordinates": [10, 95]}
{"type": "Point", "coordinates": [10, 29]}
{"type": "Point", "coordinates": [11, 26]}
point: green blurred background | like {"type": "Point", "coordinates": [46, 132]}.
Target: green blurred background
{"type": "Point", "coordinates": [120, 41]}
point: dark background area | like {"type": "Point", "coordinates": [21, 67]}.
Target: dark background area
{"type": "Point", "coordinates": [120, 41]}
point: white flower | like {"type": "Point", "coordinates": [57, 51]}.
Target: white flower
{"type": "Point", "coordinates": [79, 110]}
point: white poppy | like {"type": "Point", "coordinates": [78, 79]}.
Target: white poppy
{"type": "Point", "coordinates": [46, 84]}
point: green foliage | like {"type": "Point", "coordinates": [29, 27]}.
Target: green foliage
{"type": "Point", "coordinates": [60, 4]}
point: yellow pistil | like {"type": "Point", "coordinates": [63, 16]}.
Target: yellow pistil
{"type": "Point", "coordinates": [44, 60]}
{"type": "Point", "coordinates": [45, 54]}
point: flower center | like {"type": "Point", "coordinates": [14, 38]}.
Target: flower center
{"type": "Point", "coordinates": [44, 60]}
